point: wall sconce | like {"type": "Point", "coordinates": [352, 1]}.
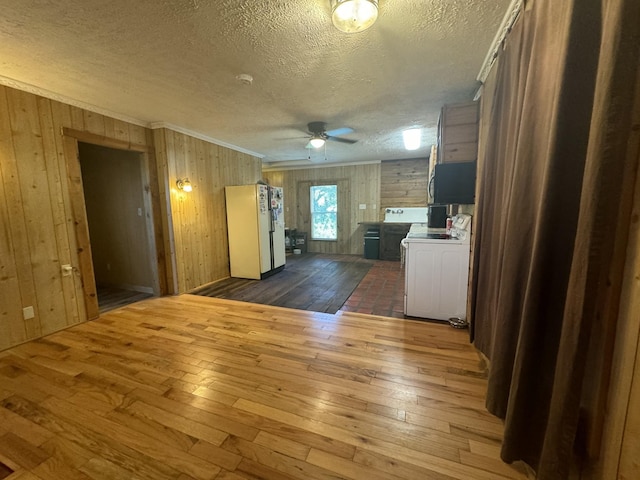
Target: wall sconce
{"type": "Point", "coordinates": [184, 184]}
{"type": "Point", "coordinates": [352, 16]}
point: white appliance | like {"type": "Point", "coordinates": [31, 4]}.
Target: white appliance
{"type": "Point", "coordinates": [405, 214]}
{"type": "Point", "coordinates": [437, 271]}
{"type": "Point", "coordinates": [255, 222]}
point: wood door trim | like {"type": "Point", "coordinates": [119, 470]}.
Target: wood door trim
{"type": "Point", "coordinates": [81, 227]}
{"type": "Point", "coordinates": [81, 224]}
{"type": "Point", "coordinates": [103, 141]}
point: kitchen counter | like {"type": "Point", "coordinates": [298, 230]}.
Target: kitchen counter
{"type": "Point", "coordinates": [391, 234]}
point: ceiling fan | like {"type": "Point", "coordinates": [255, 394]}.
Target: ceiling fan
{"type": "Point", "coordinates": [320, 134]}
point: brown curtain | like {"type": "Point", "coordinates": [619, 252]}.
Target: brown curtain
{"type": "Point", "coordinates": [555, 130]}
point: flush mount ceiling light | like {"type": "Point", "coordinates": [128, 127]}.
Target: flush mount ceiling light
{"type": "Point", "coordinates": [352, 16]}
{"type": "Point", "coordinates": [317, 141]}
{"type": "Point", "coordinates": [184, 184]}
{"type": "Point", "coordinates": [411, 138]}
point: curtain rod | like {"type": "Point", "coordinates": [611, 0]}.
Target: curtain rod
{"type": "Point", "coordinates": [505, 27]}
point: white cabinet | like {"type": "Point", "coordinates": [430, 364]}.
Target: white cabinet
{"type": "Point", "coordinates": [436, 277]}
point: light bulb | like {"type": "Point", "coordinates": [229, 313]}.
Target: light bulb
{"type": "Point", "coordinates": [316, 142]}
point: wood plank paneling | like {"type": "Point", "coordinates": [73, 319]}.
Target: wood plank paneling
{"type": "Point", "coordinates": [14, 282]}
{"type": "Point", "coordinates": [458, 139]}
{"type": "Point", "coordinates": [198, 218]}
{"type": "Point", "coordinates": [38, 234]}
{"type": "Point", "coordinates": [359, 185]}
{"type": "Point", "coordinates": [40, 227]}
{"type": "Point", "coordinates": [403, 183]}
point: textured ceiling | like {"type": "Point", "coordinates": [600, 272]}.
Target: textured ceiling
{"type": "Point", "coordinates": [176, 62]}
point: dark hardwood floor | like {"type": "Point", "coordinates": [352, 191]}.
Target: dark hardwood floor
{"type": "Point", "coordinates": [310, 281]}
{"type": "Point", "coordinates": [110, 298]}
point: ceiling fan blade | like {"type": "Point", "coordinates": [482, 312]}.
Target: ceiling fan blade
{"type": "Point", "coordinates": [341, 140]}
{"type": "Point", "coordinates": [339, 131]}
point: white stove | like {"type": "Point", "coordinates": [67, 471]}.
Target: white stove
{"type": "Point", "coordinates": [437, 271]}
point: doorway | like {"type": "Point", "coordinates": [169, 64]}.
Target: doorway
{"type": "Point", "coordinates": [120, 224]}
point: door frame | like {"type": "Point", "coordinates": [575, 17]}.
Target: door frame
{"type": "Point", "coordinates": [303, 215]}
{"type": "Point", "coordinates": [151, 195]}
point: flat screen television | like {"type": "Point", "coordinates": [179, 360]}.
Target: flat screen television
{"type": "Point", "coordinates": [454, 183]}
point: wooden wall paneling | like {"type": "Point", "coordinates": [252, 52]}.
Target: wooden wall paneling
{"type": "Point", "coordinates": [57, 190]}
{"type": "Point", "coordinates": [621, 429]}
{"type": "Point", "coordinates": [77, 119]}
{"type": "Point", "coordinates": [303, 208]}
{"type": "Point", "coordinates": [85, 261]}
{"type": "Point", "coordinates": [363, 188]}
{"type": "Point", "coordinates": [33, 184]}
{"type": "Point", "coordinates": [460, 152]}
{"type": "Point", "coordinates": [629, 463]}
{"type": "Point", "coordinates": [198, 218]}
{"type": "Point", "coordinates": [403, 183]}
{"type": "Point", "coordinates": [461, 113]}
{"type": "Point", "coordinates": [223, 173]}
{"type": "Point", "coordinates": [61, 116]}
{"type": "Point", "coordinates": [217, 255]}
{"type": "Point", "coordinates": [94, 123]}
{"type": "Point", "coordinates": [455, 134]}
{"type": "Point", "coordinates": [14, 270]}
{"type": "Point", "coordinates": [165, 210]}
{"type": "Point", "coordinates": [37, 200]}
{"type": "Point", "coordinates": [137, 134]}
{"type": "Point", "coordinates": [344, 215]}
{"type": "Point", "coordinates": [121, 130]}
{"type": "Point", "coordinates": [95, 139]}
{"type": "Point", "coordinates": [627, 366]}
{"type": "Point", "coordinates": [110, 128]}
{"type": "Point", "coordinates": [198, 224]}
{"type": "Point", "coordinates": [153, 219]}
{"type": "Point", "coordinates": [458, 133]}
{"type": "Point", "coordinates": [181, 211]}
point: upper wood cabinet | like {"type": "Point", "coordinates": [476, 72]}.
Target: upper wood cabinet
{"type": "Point", "coordinates": [458, 133]}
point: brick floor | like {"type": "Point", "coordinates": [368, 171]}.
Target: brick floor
{"type": "Point", "coordinates": [381, 291]}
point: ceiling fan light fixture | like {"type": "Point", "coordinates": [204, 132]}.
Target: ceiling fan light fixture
{"type": "Point", "coordinates": [317, 142]}
{"type": "Point", "coordinates": [352, 16]}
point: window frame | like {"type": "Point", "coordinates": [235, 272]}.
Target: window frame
{"type": "Point", "coordinates": [312, 213]}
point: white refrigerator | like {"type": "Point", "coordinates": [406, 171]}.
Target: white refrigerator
{"type": "Point", "coordinates": [255, 222]}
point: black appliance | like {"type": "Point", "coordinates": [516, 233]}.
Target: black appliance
{"type": "Point", "coordinates": [372, 243]}
{"type": "Point", "coordinates": [437, 216]}
{"type": "Point", "coordinates": [454, 183]}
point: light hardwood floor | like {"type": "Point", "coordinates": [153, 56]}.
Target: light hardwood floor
{"type": "Point", "coordinates": [193, 387]}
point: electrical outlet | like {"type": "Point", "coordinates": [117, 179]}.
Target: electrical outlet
{"type": "Point", "coordinates": [139, 212]}
{"type": "Point", "coordinates": [27, 313]}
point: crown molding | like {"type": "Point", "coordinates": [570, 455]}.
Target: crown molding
{"type": "Point", "coordinates": [510, 17]}
{"type": "Point", "coordinates": [27, 87]}
{"type": "Point", "coordinates": [201, 136]}
{"type": "Point", "coordinates": [296, 165]}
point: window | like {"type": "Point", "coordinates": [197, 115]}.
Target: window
{"type": "Point", "coordinates": [324, 212]}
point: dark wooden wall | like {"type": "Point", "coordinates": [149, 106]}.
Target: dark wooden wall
{"type": "Point", "coordinates": [403, 183]}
